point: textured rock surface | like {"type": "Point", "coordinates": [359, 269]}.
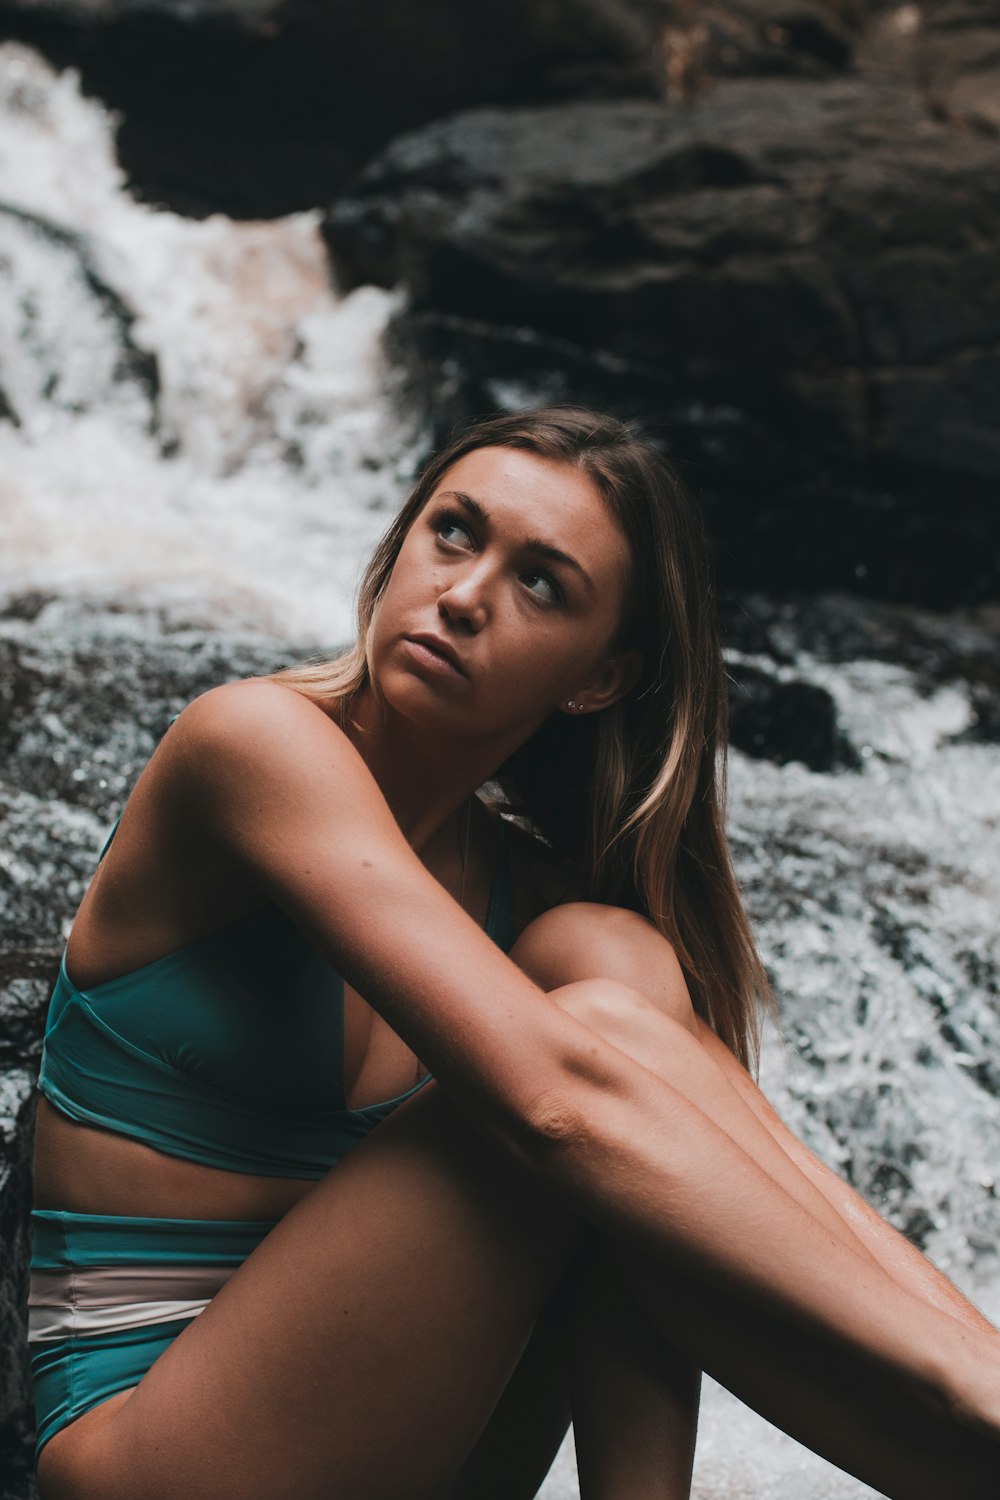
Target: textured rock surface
{"type": "Point", "coordinates": [796, 280]}
{"type": "Point", "coordinates": [769, 228]}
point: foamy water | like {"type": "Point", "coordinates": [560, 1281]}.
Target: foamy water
{"type": "Point", "coordinates": [255, 477]}
{"type": "Point", "coordinates": [246, 482]}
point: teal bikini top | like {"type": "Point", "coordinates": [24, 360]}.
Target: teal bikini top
{"type": "Point", "coordinates": [228, 1051]}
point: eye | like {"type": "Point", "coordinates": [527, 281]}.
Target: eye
{"type": "Point", "coordinates": [543, 586]}
{"type": "Point", "coordinates": [452, 529]}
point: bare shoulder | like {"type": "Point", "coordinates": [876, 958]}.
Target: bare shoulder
{"type": "Point", "coordinates": [265, 769]}
{"type": "Point", "coordinates": [243, 716]}
{"type": "Point", "coordinates": [257, 731]}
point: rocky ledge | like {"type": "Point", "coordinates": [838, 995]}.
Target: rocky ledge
{"type": "Point", "coordinates": [793, 283]}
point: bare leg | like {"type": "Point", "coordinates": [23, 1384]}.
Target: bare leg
{"type": "Point", "coordinates": [634, 1395]}
{"type": "Point", "coordinates": [580, 942]}
{"type": "Point", "coordinates": [517, 1449]}
{"type": "Point", "coordinates": [835, 1404]}
{"type": "Point", "coordinates": [358, 1352]}
{"type": "Point", "coordinates": [838, 1407]}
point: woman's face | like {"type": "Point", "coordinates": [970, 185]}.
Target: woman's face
{"type": "Point", "coordinates": [504, 600]}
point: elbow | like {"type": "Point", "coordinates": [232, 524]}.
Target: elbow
{"type": "Point", "coordinates": [581, 1085]}
{"type": "Point", "coordinates": [552, 1126]}
{"type": "Point", "coordinates": [555, 1118]}
{"type": "Point", "coordinates": [570, 1106]}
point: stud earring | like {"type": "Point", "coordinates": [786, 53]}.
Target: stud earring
{"type": "Point", "coordinates": [572, 704]}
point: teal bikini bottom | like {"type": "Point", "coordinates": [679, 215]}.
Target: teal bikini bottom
{"type": "Point", "coordinates": [108, 1294]}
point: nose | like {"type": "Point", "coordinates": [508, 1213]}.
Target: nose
{"type": "Point", "coordinates": [464, 603]}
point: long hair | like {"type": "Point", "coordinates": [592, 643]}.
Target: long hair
{"type": "Point", "coordinates": [633, 796]}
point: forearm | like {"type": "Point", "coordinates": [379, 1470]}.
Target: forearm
{"type": "Point", "coordinates": [901, 1260]}
{"type": "Point", "coordinates": [651, 1169]}
{"type": "Point", "coordinates": [696, 1160]}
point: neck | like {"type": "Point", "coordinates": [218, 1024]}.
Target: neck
{"type": "Point", "coordinates": [424, 777]}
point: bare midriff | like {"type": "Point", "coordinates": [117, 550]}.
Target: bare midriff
{"type": "Point", "coordinates": [85, 1170]}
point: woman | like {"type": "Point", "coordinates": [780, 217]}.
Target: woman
{"type": "Point", "coordinates": [285, 937]}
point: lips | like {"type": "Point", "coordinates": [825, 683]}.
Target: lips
{"type": "Point", "coordinates": [441, 648]}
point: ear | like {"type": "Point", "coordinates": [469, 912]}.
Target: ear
{"type": "Point", "coordinates": [614, 681]}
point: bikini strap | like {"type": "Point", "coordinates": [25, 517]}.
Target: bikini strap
{"type": "Point", "coordinates": [107, 842]}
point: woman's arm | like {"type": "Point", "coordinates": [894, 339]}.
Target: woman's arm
{"type": "Point", "coordinates": [275, 783]}
{"type": "Point", "coordinates": [891, 1249]}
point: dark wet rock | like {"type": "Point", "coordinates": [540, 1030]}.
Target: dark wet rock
{"type": "Point", "coordinates": [960, 646]}
{"type": "Point", "coordinates": [763, 227]}
{"type": "Point", "coordinates": [17, 1480]}
{"type": "Point", "coordinates": [986, 708]}
{"type": "Point", "coordinates": [948, 49]}
{"type": "Point", "coordinates": [756, 38]}
{"type": "Point", "coordinates": [89, 690]}
{"type": "Point", "coordinates": [776, 720]}
{"type": "Point", "coordinates": [282, 99]}
{"type": "Point", "coordinates": [792, 282]}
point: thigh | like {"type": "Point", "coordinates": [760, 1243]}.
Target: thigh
{"type": "Point", "coordinates": [107, 1296]}
{"type": "Point", "coordinates": [517, 1448]}
{"type": "Point", "coordinates": [360, 1349]}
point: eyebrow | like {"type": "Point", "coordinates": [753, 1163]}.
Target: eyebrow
{"type": "Point", "coordinates": [532, 543]}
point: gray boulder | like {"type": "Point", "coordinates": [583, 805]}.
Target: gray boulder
{"type": "Point", "coordinates": [796, 280]}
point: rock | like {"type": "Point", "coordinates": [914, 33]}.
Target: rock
{"type": "Point", "coordinates": [794, 279]}
{"type": "Point", "coordinates": [283, 99]}
{"type": "Point", "coordinates": [17, 1479]}
{"type": "Point", "coordinates": [782, 721]}
{"type": "Point", "coordinates": [741, 38]}
{"type": "Point", "coordinates": [940, 650]}
{"type": "Point", "coordinates": [27, 974]}
{"type": "Point", "coordinates": [948, 49]}
{"type": "Point", "coordinates": [22, 1005]}
{"type": "Point", "coordinates": [767, 231]}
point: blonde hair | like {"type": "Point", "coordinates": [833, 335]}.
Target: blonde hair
{"type": "Point", "coordinates": [634, 796]}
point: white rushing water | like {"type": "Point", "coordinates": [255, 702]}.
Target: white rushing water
{"type": "Point", "coordinates": [247, 485]}
{"type": "Point", "coordinates": [272, 404]}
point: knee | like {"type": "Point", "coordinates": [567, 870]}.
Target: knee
{"type": "Point", "coordinates": [604, 1006]}
{"type": "Point", "coordinates": [585, 944]}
